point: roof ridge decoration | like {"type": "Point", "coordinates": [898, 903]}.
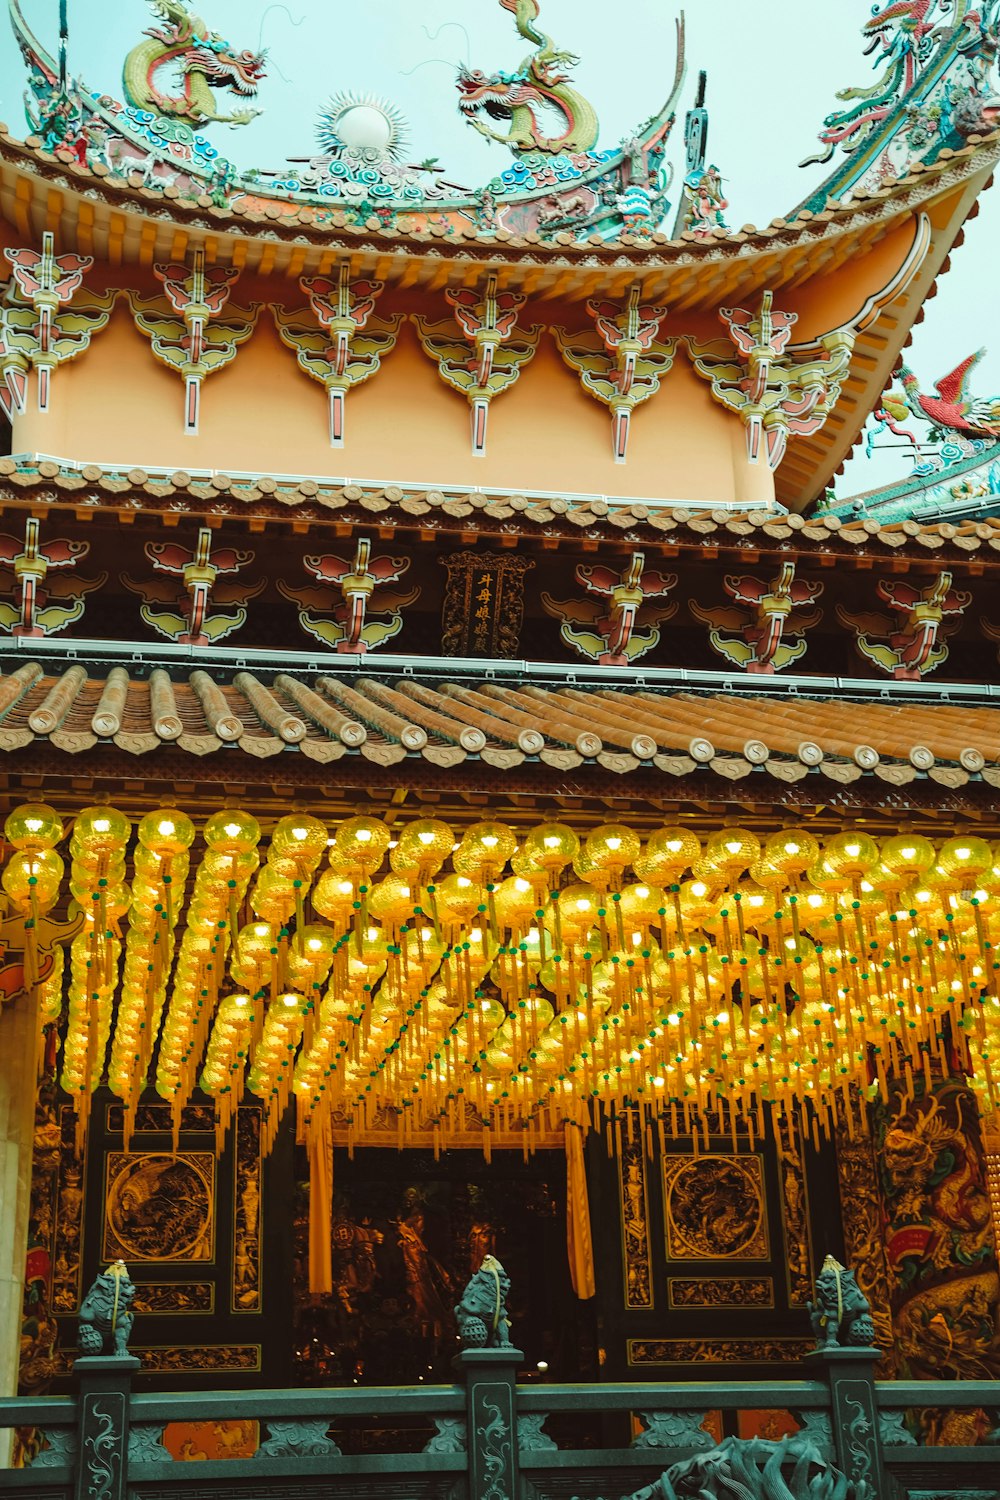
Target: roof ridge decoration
{"type": "Point", "coordinates": [556, 184]}
{"type": "Point", "coordinates": [341, 344]}
{"type": "Point", "coordinates": [912, 645]}
{"type": "Point", "coordinates": [206, 61]}
{"type": "Point", "coordinates": [186, 330]}
{"type": "Point", "coordinates": [937, 90]}
{"type": "Point", "coordinates": [954, 411]}
{"type": "Point", "coordinates": [488, 320]}
{"type": "Point", "coordinates": [538, 83]}
{"type": "Point", "coordinates": [621, 361]}
{"type": "Point", "coordinates": [769, 616]}
{"type": "Point", "coordinates": [35, 331]}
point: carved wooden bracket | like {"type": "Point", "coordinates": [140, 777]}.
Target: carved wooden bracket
{"type": "Point", "coordinates": [912, 645]}
{"type": "Point", "coordinates": [189, 623]}
{"type": "Point", "coordinates": [774, 610]}
{"type": "Point", "coordinates": [33, 332]}
{"type": "Point", "coordinates": [186, 329]}
{"type": "Point", "coordinates": [620, 362]}
{"type": "Point", "coordinates": [360, 582]}
{"type": "Point", "coordinates": [490, 358]}
{"type": "Point", "coordinates": [620, 624]}
{"type": "Point", "coordinates": [336, 339]}
{"type": "Point", "coordinates": [763, 377]}
{"type": "Point", "coordinates": [33, 612]}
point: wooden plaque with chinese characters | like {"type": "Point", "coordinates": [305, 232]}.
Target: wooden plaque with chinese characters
{"type": "Point", "coordinates": [483, 604]}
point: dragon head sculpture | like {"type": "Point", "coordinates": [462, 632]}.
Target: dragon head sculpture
{"type": "Point", "coordinates": [205, 60]}
{"type": "Point", "coordinates": [535, 101]}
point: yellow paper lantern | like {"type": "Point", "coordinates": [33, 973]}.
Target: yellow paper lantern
{"type": "Point", "coordinates": [302, 837]}
{"type": "Point", "coordinates": [484, 851]}
{"type": "Point", "coordinates": [362, 842]}
{"type": "Point", "coordinates": [166, 832]}
{"type": "Point", "coordinates": [907, 857]}
{"type": "Point", "coordinates": [422, 849]}
{"type": "Point", "coordinates": [850, 855]}
{"type": "Point", "coordinates": [34, 825]}
{"type": "Point", "coordinates": [728, 852]}
{"type": "Point", "coordinates": [963, 860]}
{"type": "Point", "coordinates": [790, 852]}
{"type": "Point", "coordinates": [668, 853]}
{"type": "Point", "coordinates": [611, 849]}
{"type": "Point", "coordinates": [32, 877]}
{"type": "Point", "coordinates": [232, 832]}
{"type": "Point", "coordinates": [551, 847]}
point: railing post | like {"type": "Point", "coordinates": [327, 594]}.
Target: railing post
{"type": "Point", "coordinates": [854, 1414]}
{"type": "Point", "coordinates": [490, 1377]}
{"type": "Point", "coordinates": [102, 1453]}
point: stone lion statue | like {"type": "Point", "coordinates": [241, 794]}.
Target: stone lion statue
{"type": "Point", "coordinates": [754, 1469]}
{"type": "Point", "coordinates": [104, 1317]}
{"type": "Point", "coordinates": [482, 1313]}
{"type": "Point", "coordinates": [841, 1315]}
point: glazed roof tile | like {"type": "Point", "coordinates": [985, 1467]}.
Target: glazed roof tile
{"type": "Point", "coordinates": [306, 232]}
{"type": "Point", "coordinates": [491, 513]}
{"type": "Point", "coordinates": [325, 716]}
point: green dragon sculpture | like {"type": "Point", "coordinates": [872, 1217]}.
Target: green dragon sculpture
{"type": "Point", "coordinates": [206, 61]}
{"type": "Point", "coordinates": [901, 33]}
{"type": "Point", "coordinates": [521, 98]}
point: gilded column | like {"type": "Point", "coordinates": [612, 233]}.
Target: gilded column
{"type": "Point", "coordinates": [18, 1075]}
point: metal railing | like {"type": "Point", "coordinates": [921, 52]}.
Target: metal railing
{"type": "Point", "coordinates": [487, 1438]}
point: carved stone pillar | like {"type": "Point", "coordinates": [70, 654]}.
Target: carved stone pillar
{"type": "Point", "coordinates": [854, 1414]}
{"type": "Point", "coordinates": [105, 1391]}
{"type": "Point", "coordinates": [18, 1075]}
{"type": "Point", "coordinates": [490, 1377]}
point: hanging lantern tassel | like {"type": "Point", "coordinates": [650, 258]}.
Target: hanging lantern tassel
{"type": "Point", "coordinates": [31, 938]}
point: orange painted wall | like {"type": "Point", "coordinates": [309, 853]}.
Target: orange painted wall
{"type": "Point", "coordinates": [117, 405]}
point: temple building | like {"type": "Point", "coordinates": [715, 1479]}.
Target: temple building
{"type": "Point", "coordinates": [406, 890]}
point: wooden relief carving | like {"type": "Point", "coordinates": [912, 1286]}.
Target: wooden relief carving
{"type": "Point", "coordinates": [650, 1352]}
{"type": "Point", "coordinates": [246, 1292]}
{"type": "Point", "coordinates": [635, 1226]}
{"type": "Point", "coordinates": [153, 1297]}
{"type": "Point", "coordinates": [69, 1218]}
{"type": "Point", "coordinates": [718, 1291]}
{"type": "Point", "coordinates": [200, 1359]}
{"type": "Point", "coordinates": [483, 604]}
{"type": "Point", "coordinates": [864, 1240]}
{"type": "Point", "coordinates": [714, 1208]}
{"type": "Point", "coordinates": [159, 1206]}
{"type": "Point", "coordinates": [795, 1223]}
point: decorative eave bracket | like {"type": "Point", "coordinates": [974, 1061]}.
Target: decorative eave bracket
{"type": "Point", "coordinates": [622, 622]}
{"type": "Point", "coordinates": [912, 643]}
{"type": "Point", "coordinates": [772, 612]}
{"type": "Point", "coordinates": [34, 332]}
{"type": "Point", "coordinates": [620, 362]}
{"type": "Point", "coordinates": [336, 339]}
{"type": "Point", "coordinates": [196, 570]}
{"type": "Point", "coordinates": [360, 582]}
{"type": "Point", "coordinates": [491, 358]}
{"type": "Point", "coordinates": [186, 329]}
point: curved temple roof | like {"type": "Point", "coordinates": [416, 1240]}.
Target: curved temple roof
{"type": "Point", "coordinates": [129, 189]}
{"type": "Point", "coordinates": [560, 189]}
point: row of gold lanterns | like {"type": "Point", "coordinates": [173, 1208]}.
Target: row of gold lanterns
{"type": "Point", "coordinates": [533, 981]}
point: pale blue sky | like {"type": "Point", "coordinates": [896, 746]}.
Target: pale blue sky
{"type": "Point", "coordinates": [774, 67]}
